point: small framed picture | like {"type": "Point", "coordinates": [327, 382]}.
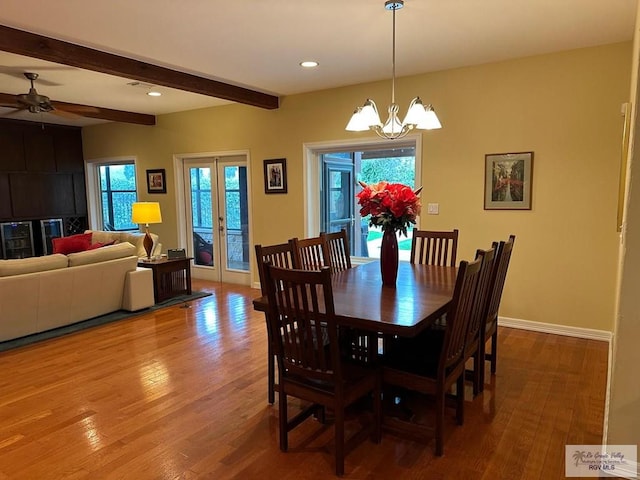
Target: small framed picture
{"type": "Point", "coordinates": [156, 181]}
{"type": "Point", "coordinates": [275, 175]}
{"type": "Point", "coordinates": [507, 181]}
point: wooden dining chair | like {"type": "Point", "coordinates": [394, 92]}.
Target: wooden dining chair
{"type": "Point", "coordinates": [338, 248]}
{"type": "Point", "coordinates": [498, 277]}
{"type": "Point", "coordinates": [472, 349]}
{"type": "Point", "coordinates": [430, 364]}
{"type": "Point", "coordinates": [434, 247]}
{"type": "Point", "coordinates": [303, 326]}
{"type": "Point", "coordinates": [280, 255]}
{"type": "Point", "coordinates": [310, 253]}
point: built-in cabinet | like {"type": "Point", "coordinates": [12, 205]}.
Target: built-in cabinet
{"type": "Point", "coordinates": [42, 177]}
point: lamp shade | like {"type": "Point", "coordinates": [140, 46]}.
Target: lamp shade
{"type": "Point", "coordinates": [146, 212]}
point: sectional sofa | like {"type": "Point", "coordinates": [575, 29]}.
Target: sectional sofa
{"type": "Point", "coordinates": [43, 293]}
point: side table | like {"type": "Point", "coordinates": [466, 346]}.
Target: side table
{"type": "Point", "coordinates": [171, 277]}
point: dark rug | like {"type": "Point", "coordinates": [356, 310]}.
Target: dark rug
{"type": "Point", "coordinates": [93, 322]}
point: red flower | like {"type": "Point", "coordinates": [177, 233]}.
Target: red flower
{"type": "Point", "coordinates": [391, 205]}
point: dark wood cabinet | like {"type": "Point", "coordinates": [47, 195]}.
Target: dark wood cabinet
{"type": "Point", "coordinates": [42, 173]}
{"type": "Point", "coordinates": [11, 150]}
{"type": "Point", "coordinates": [68, 151]}
{"type": "Point", "coordinates": [39, 152]}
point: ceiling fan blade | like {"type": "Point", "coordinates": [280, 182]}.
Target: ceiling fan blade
{"type": "Point", "coordinates": [8, 100]}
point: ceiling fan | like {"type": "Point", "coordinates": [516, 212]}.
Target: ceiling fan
{"type": "Point", "coordinates": [33, 102]}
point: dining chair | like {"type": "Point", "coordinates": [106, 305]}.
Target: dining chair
{"type": "Point", "coordinates": [303, 326]}
{"type": "Point", "coordinates": [434, 247]}
{"type": "Point", "coordinates": [432, 364]}
{"type": "Point", "coordinates": [280, 255]}
{"type": "Point", "coordinates": [310, 253]}
{"type": "Point", "coordinates": [499, 275]}
{"type": "Point", "coordinates": [472, 349]}
{"type": "Point", "coordinates": [338, 248]}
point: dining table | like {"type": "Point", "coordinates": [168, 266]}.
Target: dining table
{"type": "Point", "coordinates": [422, 294]}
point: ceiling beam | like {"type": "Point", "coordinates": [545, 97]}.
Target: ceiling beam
{"type": "Point", "coordinates": [89, 111]}
{"type": "Point", "coordinates": [58, 51]}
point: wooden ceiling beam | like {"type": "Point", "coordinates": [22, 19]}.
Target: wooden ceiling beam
{"type": "Point", "coordinates": [37, 46]}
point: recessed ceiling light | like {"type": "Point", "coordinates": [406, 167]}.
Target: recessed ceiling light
{"type": "Point", "coordinates": [154, 93]}
{"type": "Point", "coordinates": [309, 64]}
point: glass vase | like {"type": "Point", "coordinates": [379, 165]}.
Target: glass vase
{"type": "Point", "coordinates": [389, 258]}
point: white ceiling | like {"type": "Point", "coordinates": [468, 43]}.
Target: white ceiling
{"type": "Point", "coordinates": [258, 44]}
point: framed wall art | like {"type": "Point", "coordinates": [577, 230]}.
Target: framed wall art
{"type": "Point", "coordinates": [507, 181]}
{"type": "Point", "coordinates": [156, 181]}
{"type": "Point", "coordinates": [275, 175]}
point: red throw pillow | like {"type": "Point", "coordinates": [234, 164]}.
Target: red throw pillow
{"type": "Point", "coordinates": [72, 244]}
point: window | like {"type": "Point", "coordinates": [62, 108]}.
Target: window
{"type": "Point", "coordinates": [112, 191]}
{"type": "Point", "coordinates": [332, 171]}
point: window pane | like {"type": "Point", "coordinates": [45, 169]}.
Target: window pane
{"type": "Point", "coordinates": [118, 193]}
{"type": "Point", "coordinates": [233, 210]}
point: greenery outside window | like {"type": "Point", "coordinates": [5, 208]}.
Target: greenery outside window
{"type": "Point", "coordinates": [117, 194]}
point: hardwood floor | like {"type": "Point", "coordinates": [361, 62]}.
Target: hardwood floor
{"type": "Point", "coordinates": [182, 394]}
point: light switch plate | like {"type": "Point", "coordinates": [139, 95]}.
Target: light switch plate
{"type": "Point", "coordinates": [433, 208]}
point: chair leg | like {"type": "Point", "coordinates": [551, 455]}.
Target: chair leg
{"type": "Point", "coordinates": [339, 440]}
{"type": "Point", "coordinates": [440, 424]}
{"type": "Point", "coordinates": [477, 374]}
{"type": "Point", "coordinates": [494, 352]}
{"type": "Point", "coordinates": [482, 355]}
{"type": "Point", "coordinates": [377, 413]}
{"type": "Point", "coordinates": [460, 399]}
{"type": "Point", "coordinates": [271, 368]}
{"type": "Point", "coordinates": [284, 424]}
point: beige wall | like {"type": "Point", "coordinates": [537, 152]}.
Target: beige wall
{"type": "Point", "coordinates": [565, 107]}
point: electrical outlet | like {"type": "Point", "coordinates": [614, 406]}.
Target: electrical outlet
{"type": "Point", "coordinates": [433, 208]}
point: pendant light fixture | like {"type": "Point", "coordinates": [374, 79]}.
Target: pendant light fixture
{"type": "Point", "coordinates": [418, 116]}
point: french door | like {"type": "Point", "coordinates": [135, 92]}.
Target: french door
{"type": "Point", "coordinates": [217, 218]}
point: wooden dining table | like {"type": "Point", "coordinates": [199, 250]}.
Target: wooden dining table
{"type": "Point", "coordinates": [422, 295]}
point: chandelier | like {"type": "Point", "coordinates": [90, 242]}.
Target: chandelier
{"type": "Point", "coordinates": [418, 116]}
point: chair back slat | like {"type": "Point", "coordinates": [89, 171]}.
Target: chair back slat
{"type": "Point", "coordinates": [302, 324]}
{"type": "Point", "coordinates": [310, 253]}
{"type": "Point", "coordinates": [478, 317]}
{"type": "Point", "coordinates": [338, 249]}
{"type": "Point", "coordinates": [434, 247]}
{"type": "Point", "coordinates": [459, 315]}
{"type": "Point", "coordinates": [280, 255]}
{"type": "Point", "coordinates": [501, 265]}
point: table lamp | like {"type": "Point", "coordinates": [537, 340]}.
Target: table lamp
{"type": "Point", "coordinates": [146, 212]}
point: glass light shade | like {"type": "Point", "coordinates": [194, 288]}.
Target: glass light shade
{"type": "Point", "coordinates": [146, 212]}
{"type": "Point", "coordinates": [416, 113]}
{"type": "Point", "coordinates": [357, 122]}
{"type": "Point", "coordinates": [370, 114]}
{"type": "Point", "coordinates": [431, 121]}
{"type": "Point", "coordinates": [392, 126]}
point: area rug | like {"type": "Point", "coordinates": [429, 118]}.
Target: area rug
{"type": "Point", "coordinates": [93, 322]}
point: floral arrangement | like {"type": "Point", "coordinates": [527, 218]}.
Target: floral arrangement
{"type": "Point", "coordinates": [392, 206]}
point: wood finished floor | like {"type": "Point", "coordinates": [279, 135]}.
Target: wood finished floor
{"type": "Point", "coordinates": [181, 394]}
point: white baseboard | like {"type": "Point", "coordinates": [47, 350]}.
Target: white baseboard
{"type": "Point", "coordinates": [579, 332]}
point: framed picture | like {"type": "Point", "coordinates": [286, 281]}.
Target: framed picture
{"type": "Point", "coordinates": [156, 181]}
{"type": "Point", "coordinates": [275, 175]}
{"type": "Point", "coordinates": [507, 181]}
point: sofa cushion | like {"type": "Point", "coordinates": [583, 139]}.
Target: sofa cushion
{"type": "Point", "coordinates": [109, 252]}
{"type": "Point", "coordinates": [134, 238]}
{"type": "Point", "coordinates": [93, 246]}
{"type": "Point", "coordinates": [71, 244]}
{"type": "Point", "coordinates": [31, 265]}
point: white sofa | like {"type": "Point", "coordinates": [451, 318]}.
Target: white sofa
{"type": "Point", "coordinates": [42, 293]}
